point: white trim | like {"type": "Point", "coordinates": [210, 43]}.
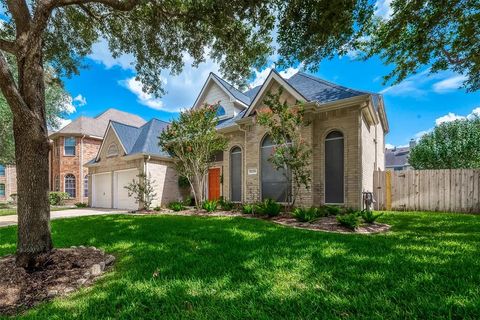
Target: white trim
{"type": "Point", "coordinates": [105, 137]}
{"type": "Point", "coordinates": [211, 77]}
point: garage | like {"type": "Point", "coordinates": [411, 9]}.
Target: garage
{"type": "Point", "coordinates": [102, 190]}
{"type": "Point", "coordinates": [121, 180]}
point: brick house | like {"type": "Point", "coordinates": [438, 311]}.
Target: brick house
{"type": "Point", "coordinates": [8, 182]}
{"type": "Point", "coordinates": [75, 145]}
{"type": "Point", "coordinates": [346, 130]}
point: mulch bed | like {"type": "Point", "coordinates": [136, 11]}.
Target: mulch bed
{"type": "Point", "coordinates": [66, 270]}
{"type": "Point", "coordinates": [327, 224]}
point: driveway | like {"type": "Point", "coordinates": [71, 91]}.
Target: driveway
{"type": "Point", "coordinates": [70, 213]}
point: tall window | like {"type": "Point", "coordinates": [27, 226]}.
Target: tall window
{"type": "Point", "coordinates": [85, 186]}
{"type": "Point", "coordinates": [70, 185]}
{"type": "Point", "coordinates": [2, 171]}
{"type": "Point", "coordinates": [334, 168]}
{"type": "Point", "coordinates": [2, 190]}
{"type": "Point", "coordinates": [236, 174]}
{"type": "Point", "coordinates": [69, 146]}
{"type": "Point", "coordinates": [275, 184]}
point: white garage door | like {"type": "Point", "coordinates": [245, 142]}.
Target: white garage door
{"type": "Point", "coordinates": [102, 190]}
{"type": "Point", "coordinates": [122, 179]}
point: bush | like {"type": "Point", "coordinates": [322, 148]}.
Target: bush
{"type": "Point", "coordinates": [157, 208]}
{"type": "Point", "coordinates": [369, 217]}
{"type": "Point", "coordinates": [4, 205]}
{"type": "Point", "coordinates": [14, 197]}
{"type": "Point", "coordinates": [247, 208]}
{"type": "Point", "coordinates": [332, 210]}
{"type": "Point", "coordinates": [81, 205]}
{"type": "Point", "coordinates": [269, 207]}
{"type": "Point", "coordinates": [351, 220]}
{"type": "Point", "coordinates": [57, 198]}
{"type": "Point", "coordinates": [189, 201]}
{"type": "Point", "coordinates": [307, 214]}
{"type": "Point", "coordinates": [226, 205]}
{"type": "Point", "coordinates": [176, 206]}
{"type": "Point", "coordinates": [210, 205]}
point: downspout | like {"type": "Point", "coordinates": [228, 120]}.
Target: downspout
{"type": "Point", "coordinates": [80, 178]}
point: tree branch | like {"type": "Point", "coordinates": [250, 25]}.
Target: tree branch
{"type": "Point", "coordinates": [20, 14]}
{"type": "Point", "coordinates": [121, 5]}
{"type": "Point", "coordinates": [8, 46]}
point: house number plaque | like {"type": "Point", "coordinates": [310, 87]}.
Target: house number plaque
{"type": "Point", "coordinates": [252, 171]}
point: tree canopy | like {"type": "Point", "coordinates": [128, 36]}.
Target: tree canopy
{"type": "Point", "coordinates": [451, 145]}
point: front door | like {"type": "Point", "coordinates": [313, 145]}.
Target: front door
{"type": "Point", "coordinates": [214, 184]}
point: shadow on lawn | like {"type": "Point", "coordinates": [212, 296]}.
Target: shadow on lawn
{"type": "Point", "coordinates": [189, 267]}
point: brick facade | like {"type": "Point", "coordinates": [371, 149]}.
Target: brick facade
{"type": "Point", "coordinates": [61, 165]}
{"type": "Point", "coordinates": [9, 180]}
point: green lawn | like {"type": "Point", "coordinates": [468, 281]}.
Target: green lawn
{"type": "Point", "coordinates": [428, 266]}
{"type": "Point", "coordinates": [13, 211]}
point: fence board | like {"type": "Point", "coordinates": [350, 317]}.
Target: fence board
{"type": "Point", "coordinates": [456, 190]}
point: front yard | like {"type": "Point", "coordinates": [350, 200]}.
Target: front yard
{"type": "Point", "coordinates": [13, 211]}
{"type": "Point", "coordinates": [177, 267]}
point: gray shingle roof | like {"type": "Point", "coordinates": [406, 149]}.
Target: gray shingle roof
{"type": "Point", "coordinates": [230, 121]}
{"type": "Point", "coordinates": [397, 157]}
{"type": "Point", "coordinates": [96, 126]}
{"type": "Point", "coordinates": [142, 139]}
{"type": "Point", "coordinates": [234, 91]}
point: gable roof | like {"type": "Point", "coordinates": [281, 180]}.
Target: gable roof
{"type": "Point", "coordinates": [229, 89]}
{"type": "Point", "coordinates": [95, 127]}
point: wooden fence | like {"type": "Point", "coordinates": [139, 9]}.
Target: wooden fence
{"type": "Point", "coordinates": [456, 190]}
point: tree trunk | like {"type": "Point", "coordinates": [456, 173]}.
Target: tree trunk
{"type": "Point", "coordinates": [31, 153]}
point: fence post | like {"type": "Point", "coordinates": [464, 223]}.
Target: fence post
{"type": "Point", "coordinates": [388, 190]}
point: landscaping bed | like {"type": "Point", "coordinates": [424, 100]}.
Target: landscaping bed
{"type": "Point", "coordinates": [65, 271]}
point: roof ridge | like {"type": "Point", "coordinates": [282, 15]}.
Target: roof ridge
{"type": "Point", "coordinates": [159, 120]}
{"type": "Point", "coordinates": [127, 125]}
{"type": "Point", "coordinates": [228, 83]}
{"type": "Point", "coordinates": [331, 84]}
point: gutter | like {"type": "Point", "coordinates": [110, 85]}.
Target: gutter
{"type": "Point", "coordinates": [80, 178]}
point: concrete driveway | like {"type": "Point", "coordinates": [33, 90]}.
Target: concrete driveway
{"type": "Point", "coordinates": [70, 213]}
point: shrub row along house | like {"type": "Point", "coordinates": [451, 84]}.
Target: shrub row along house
{"type": "Point", "coordinates": [346, 132]}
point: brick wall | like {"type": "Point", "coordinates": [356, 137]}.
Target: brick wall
{"type": "Point", "coordinates": [10, 182]}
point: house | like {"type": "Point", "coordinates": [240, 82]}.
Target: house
{"type": "Point", "coordinates": [396, 158]}
{"type": "Point", "coordinates": [8, 182]}
{"type": "Point", "coordinates": [125, 153]}
{"type": "Point", "coordinates": [346, 130]}
{"type": "Point", "coordinates": [75, 145]}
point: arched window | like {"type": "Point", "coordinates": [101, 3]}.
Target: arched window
{"type": "Point", "coordinates": [70, 185]}
{"type": "Point", "coordinates": [275, 184]}
{"type": "Point", "coordinates": [220, 111]}
{"type": "Point", "coordinates": [334, 168]}
{"type": "Point", "coordinates": [112, 150]}
{"type": "Point", "coordinates": [85, 186]}
{"type": "Point", "coordinates": [236, 174]}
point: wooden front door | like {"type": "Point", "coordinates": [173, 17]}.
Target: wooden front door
{"type": "Point", "coordinates": [214, 184]}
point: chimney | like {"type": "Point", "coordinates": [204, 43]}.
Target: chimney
{"type": "Point", "coordinates": [412, 143]}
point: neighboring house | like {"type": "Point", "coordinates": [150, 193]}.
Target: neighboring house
{"type": "Point", "coordinates": [346, 131]}
{"type": "Point", "coordinates": [8, 182]}
{"type": "Point", "coordinates": [126, 152]}
{"type": "Point", "coordinates": [396, 159]}
{"type": "Point", "coordinates": [75, 145]}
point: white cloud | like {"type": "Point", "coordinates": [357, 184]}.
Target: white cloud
{"type": "Point", "coordinates": [389, 146]}
{"type": "Point", "coordinates": [448, 118]}
{"type": "Point", "coordinates": [63, 123]}
{"type": "Point", "coordinates": [146, 99]}
{"type": "Point", "coordinates": [475, 113]}
{"type": "Point", "coordinates": [261, 76]}
{"type": "Point", "coordinates": [383, 9]}
{"type": "Point", "coordinates": [449, 84]}
{"type": "Point", "coordinates": [101, 54]}
{"type": "Point", "coordinates": [81, 100]}
{"type": "Point", "coordinates": [68, 106]}
{"type": "Point", "coordinates": [420, 134]}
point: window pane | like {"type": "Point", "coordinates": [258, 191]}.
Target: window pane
{"type": "Point", "coordinates": [2, 190]}
{"type": "Point", "coordinates": [236, 174]}
{"type": "Point", "coordinates": [274, 182]}
{"type": "Point", "coordinates": [69, 145]}
{"type": "Point", "coordinates": [220, 111]}
{"type": "Point", "coordinates": [2, 170]}
{"type": "Point", "coordinates": [334, 167]}
{"type": "Point", "coordinates": [70, 187]}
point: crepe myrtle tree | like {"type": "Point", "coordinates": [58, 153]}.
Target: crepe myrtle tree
{"type": "Point", "coordinates": [284, 123]}
{"type": "Point", "coordinates": [192, 140]}
{"type": "Point", "coordinates": [59, 33]}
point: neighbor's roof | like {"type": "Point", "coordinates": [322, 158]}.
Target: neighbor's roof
{"type": "Point", "coordinates": [96, 127]}
{"type": "Point", "coordinates": [397, 157]}
{"type": "Point", "coordinates": [141, 140]}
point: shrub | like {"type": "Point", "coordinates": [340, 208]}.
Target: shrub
{"type": "Point", "coordinates": [210, 205]}
{"type": "Point", "coordinates": [183, 182]}
{"type": "Point", "coordinates": [307, 214]}
{"type": "Point", "coordinates": [269, 207]}
{"type": "Point", "coordinates": [332, 210]}
{"type": "Point", "coordinates": [247, 208]}
{"type": "Point", "coordinates": [57, 198]}
{"type": "Point", "coordinates": [226, 205]}
{"type": "Point", "coordinates": [81, 205]}
{"type": "Point", "coordinates": [176, 206]}
{"type": "Point", "coordinates": [157, 208]}
{"type": "Point", "coordinates": [369, 217]}
{"type": "Point", "coordinates": [4, 205]}
{"type": "Point", "coordinates": [351, 220]}
{"type": "Point", "coordinates": [189, 201]}
{"type": "Point", "coordinates": [14, 197]}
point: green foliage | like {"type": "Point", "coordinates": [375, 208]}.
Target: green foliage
{"type": "Point", "coordinates": [451, 145]}
{"type": "Point", "coordinates": [248, 208]}
{"type": "Point", "coordinates": [332, 210]}
{"type": "Point", "coordinates": [283, 123]}
{"type": "Point", "coordinates": [192, 140]}
{"type": "Point", "coordinates": [369, 217]}
{"type": "Point", "coordinates": [308, 214]}
{"type": "Point", "coordinates": [226, 205]}
{"type": "Point", "coordinates": [57, 198]}
{"type": "Point", "coordinates": [142, 190]}
{"type": "Point", "coordinates": [350, 220]}
{"type": "Point", "coordinates": [157, 208]}
{"type": "Point", "coordinates": [14, 198]}
{"type": "Point", "coordinates": [176, 206]}
{"type": "Point", "coordinates": [81, 205]}
{"type": "Point", "coordinates": [268, 207]}
{"type": "Point", "coordinates": [210, 205]}
{"type": "Point", "coordinates": [183, 182]}
{"type": "Point", "coordinates": [188, 201]}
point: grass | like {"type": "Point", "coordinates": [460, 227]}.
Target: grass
{"type": "Point", "coordinates": [13, 211]}
{"type": "Point", "coordinates": [173, 267]}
